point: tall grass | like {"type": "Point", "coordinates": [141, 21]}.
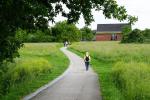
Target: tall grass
{"type": "Point", "coordinates": [121, 67]}
{"type": "Point", "coordinates": [132, 79]}
{"type": "Point", "coordinates": [25, 69]}
{"type": "Point", "coordinates": [39, 63]}
{"type": "Point", "coordinates": [114, 51]}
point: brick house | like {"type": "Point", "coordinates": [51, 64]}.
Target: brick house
{"type": "Point", "coordinates": [109, 32]}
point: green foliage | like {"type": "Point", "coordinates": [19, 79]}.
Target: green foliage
{"type": "Point", "coordinates": [9, 48]}
{"type": "Point", "coordinates": [35, 14]}
{"type": "Point", "coordinates": [133, 80]}
{"type": "Point", "coordinates": [38, 36]}
{"type": "Point", "coordinates": [39, 63]}
{"type": "Point", "coordinates": [146, 34]}
{"type": "Point", "coordinates": [21, 35]}
{"type": "Point", "coordinates": [23, 70]}
{"type": "Point", "coordinates": [136, 36]}
{"type": "Point", "coordinates": [125, 32]}
{"type": "Point", "coordinates": [113, 51]}
{"type": "Point", "coordinates": [130, 78]}
{"type": "Point", "coordinates": [65, 32]}
{"type": "Point", "coordinates": [132, 19]}
{"type": "Point", "coordinates": [87, 34]}
{"type": "Point", "coordinates": [34, 36]}
{"type": "Point", "coordinates": [129, 36]}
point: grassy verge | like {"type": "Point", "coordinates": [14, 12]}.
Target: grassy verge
{"type": "Point", "coordinates": [39, 63]}
{"type": "Point", "coordinates": [123, 69]}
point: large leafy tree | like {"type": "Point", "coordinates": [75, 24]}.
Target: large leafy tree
{"type": "Point", "coordinates": [65, 32]}
{"type": "Point", "coordinates": [30, 14]}
{"type": "Point", "coordinates": [87, 34]}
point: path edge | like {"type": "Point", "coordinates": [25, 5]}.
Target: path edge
{"type": "Point", "coordinates": [33, 94]}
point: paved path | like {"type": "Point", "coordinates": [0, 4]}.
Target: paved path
{"type": "Point", "coordinates": [76, 84]}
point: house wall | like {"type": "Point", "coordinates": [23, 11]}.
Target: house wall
{"type": "Point", "coordinates": [103, 37]}
{"type": "Point", "coordinates": [119, 36]}
{"type": "Point", "coordinates": [107, 36]}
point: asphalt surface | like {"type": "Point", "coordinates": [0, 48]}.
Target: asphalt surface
{"type": "Point", "coordinates": [76, 84]}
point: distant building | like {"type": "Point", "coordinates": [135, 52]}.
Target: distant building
{"type": "Point", "coordinates": [109, 32]}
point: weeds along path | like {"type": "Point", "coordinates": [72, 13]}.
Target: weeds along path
{"type": "Point", "coordinates": [76, 84]}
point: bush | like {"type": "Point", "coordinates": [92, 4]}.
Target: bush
{"type": "Point", "coordinates": [146, 34]}
{"type": "Point", "coordinates": [133, 80]}
{"type": "Point", "coordinates": [39, 36]}
{"type": "Point", "coordinates": [33, 36]}
{"type": "Point", "coordinates": [136, 36]}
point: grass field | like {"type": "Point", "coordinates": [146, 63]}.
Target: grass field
{"type": "Point", "coordinates": [39, 63]}
{"type": "Point", "coordinates": [123, 69]}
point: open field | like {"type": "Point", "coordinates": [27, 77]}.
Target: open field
{"type": "Point", "coordinates": [123, 69]}
{"type": "Point", "coordinates": [39, 63]}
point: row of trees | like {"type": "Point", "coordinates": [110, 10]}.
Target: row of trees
{"type": "Point", "coordinates": [59, 33]}
{"type": "Point", "coordinates": [35, 14]}
{"type": "Point", "coordinates": [34, 35]}
{"type": "Point", "coordinates": [135, 36]}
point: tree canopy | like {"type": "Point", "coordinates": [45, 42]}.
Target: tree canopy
{"type": "Point", "coordinates": [87, 34]}
{"type": "Point", "coordinates": [135, 36]}
{"type": "Point", "coordinates": [65, 32]}
{"type": "Point", "coordinates": [33, 14]}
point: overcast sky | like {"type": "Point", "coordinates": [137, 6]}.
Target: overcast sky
{"type": "Point", "coordinates": [139, 8]}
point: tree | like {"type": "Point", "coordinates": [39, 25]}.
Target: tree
{"type": "Point", "coordinates": [87, 34]}
{"type": "Point", "coordinates": [32, 14]}
{"type": "Point", "coordinates": [146, 34]}
{"type": "Point", "coordinates": [132, 19]}
{"type": "Point", "coordinates": [126, 30]}
{"type": "Point", "coordinates": [65, 32]}
{"type": "Point", "coordinates": [135, 36]}
{"type": "Point", "coordinates": [39, 36]}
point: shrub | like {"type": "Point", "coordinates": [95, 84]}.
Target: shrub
{"type": "Point", "coordinates": [132, 79]}
{"type": "Point", "coordinates": [136, 36]}
{"type": "Point", "coordinates": [38, 36]}
{"type": "Point", "coordinates": [146, 34]}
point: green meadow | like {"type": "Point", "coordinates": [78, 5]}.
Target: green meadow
{"type": "Point", "coordinates": [38, 64]}
{"type": "Point", "coordinates": [123, 69]}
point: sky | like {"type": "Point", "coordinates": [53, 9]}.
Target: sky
{"type": "Point", "coordinates": [139, 8]}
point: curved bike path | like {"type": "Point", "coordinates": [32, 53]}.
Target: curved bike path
{"type": "Point", "coordinates": [75, 84]}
